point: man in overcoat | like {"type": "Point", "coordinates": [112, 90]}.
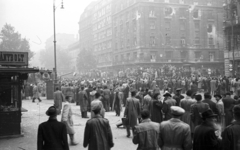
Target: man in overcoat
{"type": "Point", "coordinates": [167, 105]}
{"type": "Point", "coordinates": [58, 98]}
{"type": "Point", "coordinates": [231, 135]}
{"type": "Point", "coordinates": [52, 135]}
{"type": "Point", "coordinates": [132, 112]}
{"type": "Point", "coordinates": [83, 102]}
{"type": "Point", "coordinates": [98, 133]}
{"type": "Point", "coordinates": [205, 137]}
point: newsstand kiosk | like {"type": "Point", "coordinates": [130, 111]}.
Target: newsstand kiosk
{"type": "Point", "coordinates": [13, 71]}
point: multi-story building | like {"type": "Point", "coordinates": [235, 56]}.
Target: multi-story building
{"type": "Point", "coordinates": [232, 37]}
{"type": "Point", "coordinates": [154, 32]}
{"type": "Point", "coordinates": [102, 33]}
{"type": "Point", "coordinates": [86, 28]}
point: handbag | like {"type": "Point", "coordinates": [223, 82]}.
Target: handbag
{"type": "Point", "coordinates": [125, 121]}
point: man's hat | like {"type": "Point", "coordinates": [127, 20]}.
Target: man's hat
{"type": "Point", "coordinates": [178, 89]}
{"type": "Point", "coordinates": [236, 110]}
{"type": "Point", "coordinates": [167, 94]}
{"type": "Point", "coordinates": [177, 111]}
{"type": "Point", "coordinates": [208, 114]}
{"type": "Point", "coordinates": [52, 111]}
{"type": "Point", "coordinates": [218, 95]}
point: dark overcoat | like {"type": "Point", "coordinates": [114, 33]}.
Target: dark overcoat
{"type": "Point", "coordinates": [132, 111]}
{"type": "Point", "coordinates": [52, 135]}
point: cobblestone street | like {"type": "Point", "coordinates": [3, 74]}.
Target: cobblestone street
{"type": "Point", "coordinates": [36, 115]}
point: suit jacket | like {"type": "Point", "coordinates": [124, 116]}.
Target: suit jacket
{"type": "Point", "coordinates": [67, 118]}
{"type": "Point", "coordinates": [146, 135]}
{"type": "Point", "coordinates": [52, 135]}
{"type": "Point", "coordinates": [205, 138]}
{"type": "Point", "coordinates": [98, 134]}
{"type": "Point", "coordinates": [58, 99]}
{"type": "Point", "coordinates": [231, 137]}
{"type": "Point", "coordinates": [212, 105]}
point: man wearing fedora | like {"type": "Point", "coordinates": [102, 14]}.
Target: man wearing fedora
{"type": "Point", "coordinates": [212, 105]}
{"type": "Point", "coordinates": [231, 135]}
{"type": "Point", "coordinates": [168, 102]}
{"type": "Point", "coordinates": [52, 134]}
{"type": "Point", "coordinates": [175, 134]}
{"type": "Point", "coordinates": [178, 96]}
{"type": "Point", "coordinates": [205, 134]}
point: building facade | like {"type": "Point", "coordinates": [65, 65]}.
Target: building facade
{"type": "Point", "coordinates": [232, 37]}
{"type": "Point", "coordinates": [86, 28]}
{"type": "Point", "coordinates": [102, 33]}
{"type": "Point", "coordinates": [155, 32]}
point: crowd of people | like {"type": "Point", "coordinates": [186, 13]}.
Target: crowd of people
{"type": "Point", "coordinates": [166, 113]}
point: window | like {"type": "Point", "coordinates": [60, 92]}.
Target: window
{"type": "Point", "coordinates": [197, 25]}
{"type": "Point", "coordinates": [135, 41]}
{"type": "Point", "coordinates": [211, 56]}
{"type": "Point", "coordinates": [152, 25]}
{"type": "Point", "coordinates": [127, 27]}
{"type": "Point", "coordinates": [182, 25]}
{"type": "Point", "coordinates": [196, 14]}
{"type": "Point", "coordinates": [122, 44]}
{"type": "Point", "coordinates": [168, 11]}
{"type": "Point", "coordinates": [167, 25]}
{"type": "Point", "coordinates": [183, 41]}
{"type": "Point", "coordinates": [210, 40]}
{"type": "Point", "coordinates": [166, 1]}
{"type": "Point", "coordinates": [197, 40]}
{"type": "Point", "coordinates": [134, 25]}
{"type": "Point", "coordinates": [168, 39]}
{"type": "Point", "coordinates": [169, 54]}
{"type": "Point", "coordinates": [128, 42]}
{"type": "Point", "coordinates": [182, 12]}
{"type": "Point", "coordinates": [152, 41]}
{"type": "Point", "coordinates": [209, 28]}
{"type": "Point", "coordinates": [198, 56]}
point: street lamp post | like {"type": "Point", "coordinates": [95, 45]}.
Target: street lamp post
{"type": "Point", "coordinates": [54, 41]}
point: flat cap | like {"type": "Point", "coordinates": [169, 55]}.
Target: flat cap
{"type": "Point", "coordinates": [177, 111]}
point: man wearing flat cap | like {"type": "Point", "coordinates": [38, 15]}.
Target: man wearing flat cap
{"type": "Point", "coordinates": [231, 135]}
{"type": "Point", "coordinates": [52, 134]}
{"type": "Point", "coordinates": [205, 134]}
{"type": "Point", "coordinates": [168, 102]}
{"type": "Point", "coordinates": [98, 133]}
{"type": "Point", "coordinates": [175, 134]}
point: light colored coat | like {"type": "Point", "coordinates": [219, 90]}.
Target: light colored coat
{"type": "Point", "coordinates": [175, 135]}
{"type": "Point", "coordinates": [58, 98]}
{"type": "Point", "coordinates": [67, 118]}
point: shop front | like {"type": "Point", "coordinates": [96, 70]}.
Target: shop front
{"type": "Point", "coordinates": [13, 72]}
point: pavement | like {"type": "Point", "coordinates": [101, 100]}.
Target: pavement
{"type": "Point", "coordinates": [36, 115]}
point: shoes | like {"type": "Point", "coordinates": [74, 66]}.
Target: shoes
{"type": "Point", "coordinates": [128, 135]}
{"type": "Point", "coordinates": [33, 101]}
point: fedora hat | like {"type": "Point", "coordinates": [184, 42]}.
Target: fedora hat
{"type": "Point", "coordinates": [218, 95]}
{"type": "Point", "coordinates": [167, 94]}
{"type": "Point", "coordinates": [208, 114]}
{"type": "Point", "coordinates": [52, 111]}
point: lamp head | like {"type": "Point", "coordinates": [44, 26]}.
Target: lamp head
{"type": "Point", "coordinates": [62, 7]}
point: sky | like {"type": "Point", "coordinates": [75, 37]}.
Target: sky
{"type": "Point", "coordinates": [33, 19]}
